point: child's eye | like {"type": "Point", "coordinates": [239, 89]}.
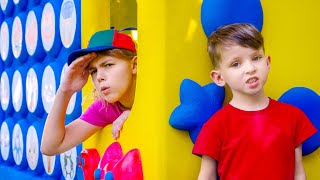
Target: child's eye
{"type": "Point", "coordinates": [257, 58]}
{"type": "Point", "coordinates": [235, 64]}
{"type": "Point", "coordinates": [108, 65]}
{"type": "Point", "coordinates": [93, 72]}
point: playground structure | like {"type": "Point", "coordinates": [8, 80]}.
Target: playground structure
{"type": "Point", "coordinates": [171, 47]}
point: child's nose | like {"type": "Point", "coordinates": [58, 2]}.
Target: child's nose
{"type": "Point", "coordinates": [250, 67]}
{"type": "Point", "coordinates": [100, 76]}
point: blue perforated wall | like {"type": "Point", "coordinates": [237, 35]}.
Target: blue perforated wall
{"type": "Point", "coordinates": [36, 37]}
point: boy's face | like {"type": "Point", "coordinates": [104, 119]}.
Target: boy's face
{"type": "Point", "coordinates": [245, 70]}
{"type": "Point", "coordinates": [113, 77]}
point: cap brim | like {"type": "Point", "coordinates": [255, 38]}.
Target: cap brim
{"type": "Point", "coordinates": [81, 52]}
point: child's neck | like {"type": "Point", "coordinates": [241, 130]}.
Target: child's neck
{"type": "Point", "coordinates": [250, 103]}
{"type": "Point", "coordinates": [127, 100]}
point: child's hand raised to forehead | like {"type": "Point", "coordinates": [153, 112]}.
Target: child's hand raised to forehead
{"type": "Point", "coordinates": [76, 75]}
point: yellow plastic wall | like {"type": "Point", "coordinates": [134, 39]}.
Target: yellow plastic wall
{"type": "Point", "coordinates": [172, 46]}
{"type": "Point", "coordinates": [291, 31]}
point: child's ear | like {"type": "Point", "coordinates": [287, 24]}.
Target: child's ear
{"type": "Point", "coordinates": [134, 65]}
{"type": "Point", "coordinates": [217, 78]}
{"type": "Point", "coordinates": [268, 62]}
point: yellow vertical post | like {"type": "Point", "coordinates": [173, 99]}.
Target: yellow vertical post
{"type": "Point", "coordinates": [95, 16]}
{"type": "Point", "coordinates": [172, 46]}
{"type": "Point", "coordinates": [150, 95]}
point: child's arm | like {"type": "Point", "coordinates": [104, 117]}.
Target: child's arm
{"type": "Point", "coordinates": [208, 170]}
{"type": "Point", "coordinates": [299, 173]}
{"type": "Point", "coordinates": [56, 137]}
{"type": "Point", "coordinates": [118, 124]}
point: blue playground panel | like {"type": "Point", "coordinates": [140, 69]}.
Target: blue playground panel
{"type": "Point", "coordinates": [36, 37]}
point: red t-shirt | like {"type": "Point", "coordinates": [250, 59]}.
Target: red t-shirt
{"type": "Point", "coordinates": [251, 145]}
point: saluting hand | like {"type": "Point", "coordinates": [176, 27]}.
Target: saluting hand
{"type": "Point", "coordinates": [76, 74]}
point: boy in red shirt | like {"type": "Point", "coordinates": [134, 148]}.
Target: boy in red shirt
{"type": "Point", "coordinates": [252, 137]}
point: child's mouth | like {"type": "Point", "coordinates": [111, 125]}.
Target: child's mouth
{"type": "Point", "coordinates": [104, 90]}
{"type": "Point", "coordinates": [252, 80]}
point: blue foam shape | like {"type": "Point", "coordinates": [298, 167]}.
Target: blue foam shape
{"type": "Point", "coordinates": [309, 102]}
{"type": "Point", "coordinates": [1, 16]}
{"type": "Point", "coordinates": [21, 4]}
{"type": "Point", "coordinates": [79, 149]}
{"type": "Point", "coordinates": [97, 174]}
{"type": "Point", "coordinates": [198, 104]}
{"type": "Point", "coordinates": [2, 115]}
{"type": "Point", "coordinates": [9, 8]}
{"type": "Point", "coordinates": [57, 68]}
{"type": "Point", "coordinates": [77, 37]}
{"type": "Point", "coordinates": [79, 174]}
{"type": "Point", "coordinates": [39, 53]}
{"type": "Point", "coordinates": [109, 176]}
{"type": "Point", "coordinates": [11, 172]}
{"type": "Point", "coordinates": [16, 173]}
{"type": "Point", "coordinates": [34, 2]}
{"type": "Point", "coordinates": [215, 13]}
{"type": "Point", "coordinates": [1, 65]}
{"type": "Point", "coordinates": [77, 111]}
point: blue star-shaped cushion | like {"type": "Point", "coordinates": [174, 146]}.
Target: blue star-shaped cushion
{"type": "Point", "coordinates": [198, 104]}
{"type": "Point", "coordinates": [309, 102]}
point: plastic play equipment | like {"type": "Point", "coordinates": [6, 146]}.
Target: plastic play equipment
{"type": "Point", "coordinates": [113, 165]}
{"type": "Point", "coordinates": [88, 161]}
{"type": "Point", "coordinates": [198, 104]}
{"type": "Point", "coordinates": [215, 13]}
{"type": "Point", "coordinates": [309, 102]}
{"type": "Point", "coordinates": [172, 47]}
{"type": "Point", "coordinates": [33, 54]}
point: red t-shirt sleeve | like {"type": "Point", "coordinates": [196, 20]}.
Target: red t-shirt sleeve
{"type": "Point", "coordinates": [304, 128]}
{"type": "Point", "coordinates": [209, 140]}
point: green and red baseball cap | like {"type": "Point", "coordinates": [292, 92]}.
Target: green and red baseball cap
{"type": "Point", "coordinates": [104, 40]}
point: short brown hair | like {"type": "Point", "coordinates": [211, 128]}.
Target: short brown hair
{"type": "Point", "coordinates": [245, 35]}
